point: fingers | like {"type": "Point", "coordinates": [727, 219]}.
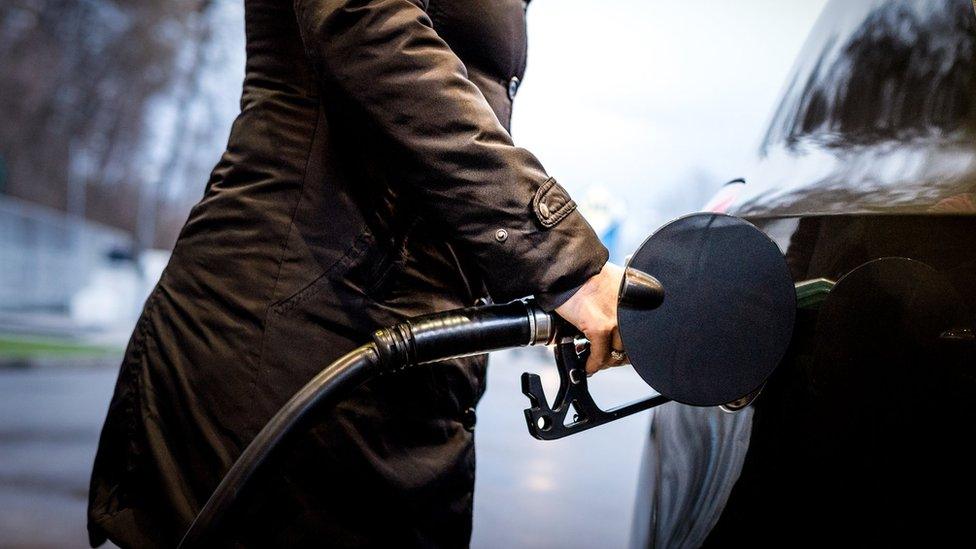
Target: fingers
{"type": "Point", "coordinates": [599, 351]}
{"type": "Point", "coordinates": [618, 344]}
{"type": "Point", "coordinates": [618, 356]}
{"type": "Point", "coordinates": [602, 347]}
{"type": "Point", "coordinates": [593, 310]}
{"type": "Point", "coordinates": [603, 343]}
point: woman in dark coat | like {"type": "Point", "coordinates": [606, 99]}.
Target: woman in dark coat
{"type": "Point", "coordinates": [369, 177]}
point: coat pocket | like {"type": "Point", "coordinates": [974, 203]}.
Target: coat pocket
{"type": "Point", "coordinates": [356, 249]}
{"type": "Point", "coordinates": [364, 269]}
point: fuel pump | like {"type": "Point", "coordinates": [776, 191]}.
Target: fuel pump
{"type": "Point", "coordinates": [705, 310]}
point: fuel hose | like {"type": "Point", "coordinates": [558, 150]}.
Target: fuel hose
{"type": "Point", "coordinates": [420, 340]}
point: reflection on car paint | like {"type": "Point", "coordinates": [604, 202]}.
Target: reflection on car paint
{"type": "Point", "coordinates": [878, 115]}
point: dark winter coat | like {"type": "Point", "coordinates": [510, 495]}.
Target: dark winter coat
{"type": "Point", "coordinates": [369, 177]}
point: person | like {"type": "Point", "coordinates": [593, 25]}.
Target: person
{"type": "Point", "coordinates": [369, 177]}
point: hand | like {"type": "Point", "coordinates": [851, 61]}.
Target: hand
{"type": "Point", "coordinates": [593, 310]}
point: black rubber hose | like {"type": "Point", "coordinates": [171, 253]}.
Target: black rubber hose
{"type": "Point", "coordinates": [330, 386]}
{"type": "Point", "coordinates": [428, 338]}
{"type": "Point", "coordinates": [462, 332]}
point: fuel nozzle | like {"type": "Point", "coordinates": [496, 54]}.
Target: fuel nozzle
{"type": "Point", "coordinates": [639, 290]}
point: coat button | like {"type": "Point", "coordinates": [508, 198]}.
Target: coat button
{"type": "Point", "coordinates": [544, 209]}
{"type": "Point", "coordinates": [513, 86]}
{"type": "Point", "coordinates": [469, 419]}
{"type": "Point", "coordinates": [501, 235]}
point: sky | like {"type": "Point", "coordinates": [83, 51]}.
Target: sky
{"type": "Point", "coordinates": [655, 102]}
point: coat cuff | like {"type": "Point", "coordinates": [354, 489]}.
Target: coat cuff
{"type": "Point", "coordinates": [545, 250]}
{"type": "Point", "coordinates": [555, 300]}
{"type": "Point", "coordinates": [578, 256]}
{"type": "Point", "coordinates": [572, 281]}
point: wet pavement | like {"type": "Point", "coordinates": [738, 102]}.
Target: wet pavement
{"type": "Point", "coordinates": [575, 492]}
{"type": "Point", "coordinates": [49, 424]}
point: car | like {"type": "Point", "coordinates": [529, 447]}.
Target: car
{"type": "Point", "coordinates": [866, 179]}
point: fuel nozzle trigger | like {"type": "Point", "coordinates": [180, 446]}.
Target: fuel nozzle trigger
{"type": "Point", "coordinates": [572, 396]}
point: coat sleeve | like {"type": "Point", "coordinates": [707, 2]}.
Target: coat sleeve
{"type": "Point", "coordinates": [519, 225]}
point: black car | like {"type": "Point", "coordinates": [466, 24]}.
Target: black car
{"type": "Point", "coordinates": [866, 179]}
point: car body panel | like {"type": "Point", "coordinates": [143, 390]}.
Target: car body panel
{"type": "Point", "coordinates": [866, 178]}
{"type": "Point", "coordinates": [878, 116]}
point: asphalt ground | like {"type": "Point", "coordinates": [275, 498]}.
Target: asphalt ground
{"type": "Point", "coordinates": [574, 492]}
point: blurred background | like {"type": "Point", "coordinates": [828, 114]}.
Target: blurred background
{"type": "Point", "coordinates": [115, 112]}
